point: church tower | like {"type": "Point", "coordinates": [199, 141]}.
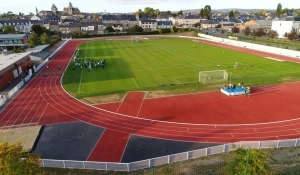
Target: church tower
{"type": "Point", "coordinates": [54, 10]}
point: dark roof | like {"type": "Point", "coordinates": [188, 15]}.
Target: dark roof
{"type": "Point", "coordinates": [90, 23]}
{"type": "Point", "coordinates": [148, 20]}
{"type": "Point", "coordinates": [37, 21]}
{"type": "Point", "coordinates": [70, 26]}
{"type": "Point", "coordinates": [209, 22]}
{"type": "Point", "coordinates": [190, 17]}
{"type": "Point", "coordinates": [53, 23]}
{"type": "Point", "coordinates": [122, 17]}
{"type": "Point", "coordinates": [163, 16]}
{"type": "Point", "coordinates": [297, 18]}
{"type": "Point", "coordinates": [16, 21]}
{"type": "Point", "coordinates": [116, 25]}
{"type": "Point", "coordinates": [70, 20]}
{"type": "Point", "coordinates": [236, 20]}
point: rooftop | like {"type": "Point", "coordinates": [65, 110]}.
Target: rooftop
{"type": "Point", "coordinates": [12, 36]}
{"type": "Point", "coordinates": [39, 48]}
{"type": "Point", "coordinates": [10, 59]}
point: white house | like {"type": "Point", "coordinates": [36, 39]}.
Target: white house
{"type": "Point", "coordinates": [282, 27]}
{"type": "Point", "coordinates": [148, 24]}
{"type": "Point", "coordinates": [20, 25]}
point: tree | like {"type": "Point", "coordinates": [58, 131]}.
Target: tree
{"type": "Point", "coordinates": [249, 161]}
{"type": "Point", "coordinates": [10, 14]}
{"type": "Point", "coordinates": [160, 30]}
{"type": "Point", "coordinates": [109, 29]}
{"type": "Point", "coordinates": [21, 14]}
{"type": "Point", "coordinates": [33, 40]}
{"type": "Point", "coordinates": [45, 39]}
{"type": "Point", "coordinates": [157, 12]}
{"type": "Point", "coordinates": [247, 31]}
{"type": "Point", "coordinates": [236, 12]}
{"type": "Point", "coordinates": [292, 35]}
{"type": "Point", "coordinates": [235, 30]}
{"type": "Point", "coordinates": [172, 30]}
{"type": "Point", "coordinates": [10, 156]}
{"type": "Point", "coordinates": [180, 13]}
{"type": "Point", "coordinates": [272, 34]}
{"type": "Point", "coordinates": [134, 29]}
{"type": "Point", "coordinates": [138, 28]}
{"type": "Point", "coordinates": [262, 12]}
{"type": "Point", "coordinates": [279, 9]}
{"type": "Point", "coordinates": [78, 34]}
{"type": "Point", "coordinates": [139, 12]}
{"type": "Point", "coordinates": [207, 10]}
{"type": "Point", "coordinates": [260, 32]}
{"type": "Point", "coordinates": [37, 29]}
{"type": "Point", "coordinates": [9, 29]}
{"type": "Point", "coordinates": [202, 13]}
{"type": "Point", "coordinates": [149, 11]}
{"type": "Point", "coordinates": [231, 14]}
{"type": "Point", "coordinates": [30, 14]}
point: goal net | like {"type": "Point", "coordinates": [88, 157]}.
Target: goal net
{"type": "Point", "coordinates": [213, 76]}
{"type": "Point", "coordinates": [136, 38]}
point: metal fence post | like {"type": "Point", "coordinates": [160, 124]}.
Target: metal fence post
{"type": "Point", "coordinates": [64, 164]}
{"type": "Point", "coordinates": [187, 155]}
{"type": "Point", "coordinates": [149, 163]}
{"type": "Point", "coordinates": [296, 142]}
{"type": "Point", "coordinates": [224, 148]}
{"type": "Point", "coordinates": [43, 163]}
{"type": "Point", "coordinates": [259, 144]}
{"type": "Point", "coordinates": [168, 159]}
{"type": "Point", "coordinates": [206, 150]}
{"type": "Point", "coordinates": [278, 143]}
{"type": "Point", "coordinates": [83, 164]}
{"type": "Point", "coordinates": [128, 167]}
{"type": "Point", "coordinates": [106, 166]}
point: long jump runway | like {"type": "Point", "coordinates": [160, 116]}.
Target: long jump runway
{"type": "Point", "coordinates": [270, 114]}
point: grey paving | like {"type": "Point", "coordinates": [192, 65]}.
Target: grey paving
{"type": "Point", "coordinates": [68, 141]}
{"type": "Point", "coordinates": [141, 148]}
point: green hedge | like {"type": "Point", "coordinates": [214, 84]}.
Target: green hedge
{"type": "Point", "coordinates": [267, 40]}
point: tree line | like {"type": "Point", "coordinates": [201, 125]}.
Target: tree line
{"type": "Point", "coordinates": [261, 32]}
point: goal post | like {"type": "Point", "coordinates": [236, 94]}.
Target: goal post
{"type": "Point", "coordinates": [136, 38]}
{"type": "Point", "coordinates": [213, 76]}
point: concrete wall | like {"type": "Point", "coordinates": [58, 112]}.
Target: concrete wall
{"type": "Point", "coordinates": [282, 27]}
{"type": "Point", "coordinates": [269, 49]}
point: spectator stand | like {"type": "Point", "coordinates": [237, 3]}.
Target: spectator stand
{"type": "Point", "coordinates": [39, 53]}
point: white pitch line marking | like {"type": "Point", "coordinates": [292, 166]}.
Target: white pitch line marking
{"type": "Point", "coordinates": [231, 134]}
{"type": "Point", "coordinates": [296, 130]}
{"type": "Point", "coordinates": [133, 79]}
{"type": "Point", "coordinates": [254, 129]}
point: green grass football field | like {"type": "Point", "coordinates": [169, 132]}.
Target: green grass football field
{"type": "Point", "coordinates": [167, 64]}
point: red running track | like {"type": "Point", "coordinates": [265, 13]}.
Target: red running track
{"type": "Point", "coordinates": [44, 101]}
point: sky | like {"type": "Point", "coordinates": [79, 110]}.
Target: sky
{"type": "Point", "coordinates": [127, 6]}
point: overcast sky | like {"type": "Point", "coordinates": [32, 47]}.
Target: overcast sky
{"type": "Point", "coordinates": [126, 6]}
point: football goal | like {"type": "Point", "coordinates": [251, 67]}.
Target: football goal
{"type": "Point", "coordinates": [213, 76]}
{"type": "Point", "coordinates": [136, 38]}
